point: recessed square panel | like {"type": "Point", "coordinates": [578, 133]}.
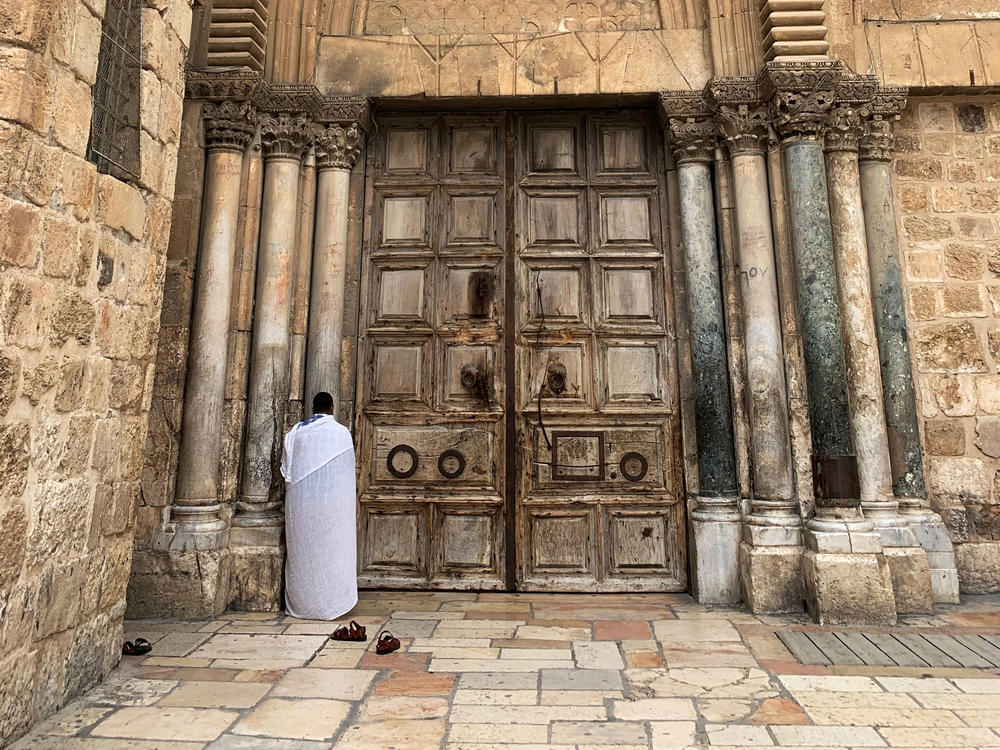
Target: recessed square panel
{"type": "Point", "coordinates": [632, 372]}
{"type": "Point", "coordinates": [398, 371]}
{"type": "Point", "coordinates": [473, 150]}
{"type": "Point", "coordinates": [404, 220]}
{"type": "Point", "coordinates": [554, 220]}
{"type": "Point", "coordinates": [467, 541]}
{"type": "Point", "coordinates": [553, 149]}
{"type": "Point", "coordinates": [629, 295]}
{"type": "Point", "coordinates": [472, 219]}
{"type": "Point", "coordinates": [625, 219]}
{"type": "Point", "coordinates": [468, 378]}
{"type": "Point", "coordinates": [561, 372]}
{"type": "Point", "coordinates": [639, 541]}
{"type": "Point", "coordinates": [406, 150]}
{"type": "Point", "coordinates": [578, 456]}
{"type": "Point", "coordinates": [622, 149]}
{"type": "Point", "coordinates": [555, 294]}
{"type": "Point", "coordinates": [394, 538]}
{"type": "Point", "coordinates": [472, 293]}
{"type": "Point", "coordinates": [560, 541]}
{"type": "Point", "coordinates": [401, 294]}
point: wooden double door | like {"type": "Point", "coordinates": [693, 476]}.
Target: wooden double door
{"type": "Point", "coordinates": [518, 424]}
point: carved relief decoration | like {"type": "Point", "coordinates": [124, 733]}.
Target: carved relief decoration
{"type": "Point", "coordinates": [221, 85]}
{"type": "Point", "coordinates": [346, 109]}
{"type": "Point", "coordinates": [689, 127]}
{"type": "Point", "coordinates": [801, 95]}
{"type": "Point", "coordinates": [338, 146]}
{"type": "Point", "coordinates": [285, 136]}
{"type": "Point", "coordinates": [740, 115]}
{"type": "Point", "coordinates": [229, 126]}
{"type": "Point", "coordinates": [288, 98]}
{"type": "Point", "coordinates": [877, 140]}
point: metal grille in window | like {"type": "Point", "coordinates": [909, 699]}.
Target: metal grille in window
{"type": "Point", "coordinates": [114, 127]}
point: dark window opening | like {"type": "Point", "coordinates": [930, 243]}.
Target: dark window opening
{"type": "Point", "coordinates": [114, 125]}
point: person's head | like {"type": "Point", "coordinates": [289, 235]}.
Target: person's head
{"type": "Point", "coordinates": [322, 403]}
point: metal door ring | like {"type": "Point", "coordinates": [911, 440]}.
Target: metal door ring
{"type": "Point", "coordinates": [457, 455]}
{"type": "Point", "coordinates": [402, 448]}
{"type": "Point", "coordinates": [633, 476]}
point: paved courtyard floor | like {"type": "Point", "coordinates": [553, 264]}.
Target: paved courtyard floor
{"type": "Point", "coordinates": [523, 672]}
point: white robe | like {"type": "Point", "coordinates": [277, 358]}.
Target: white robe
{"type": "Point", "coordinates": [321, 581]}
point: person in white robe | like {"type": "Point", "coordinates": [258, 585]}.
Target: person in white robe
{"type": "Point", "coordinates": [321, 581]}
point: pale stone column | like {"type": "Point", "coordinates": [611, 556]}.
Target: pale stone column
{"type": "Point", "coordinates": [847, 578]}
{"type": "Point", "coordinates": [195, 520]}
{"type": "Point", "coordinates": [907, 560]}
{"type": "Point", "coordinates": [337, 148]}
{"type": "Point", "coordinates": [258, 520]}
{"type": "Point", "coordinates": [771, 552]}
{"type": "Point", "coordinates": [905, 453]}
{"type": "Point", "coordinates": [715, 518]}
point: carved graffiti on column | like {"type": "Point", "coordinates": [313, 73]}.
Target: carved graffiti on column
{"type": "Point", "coordinates": [690, 130]}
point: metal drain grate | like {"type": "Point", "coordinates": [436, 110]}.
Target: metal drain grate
{"type": "Point", "coordinates": [893, 650]}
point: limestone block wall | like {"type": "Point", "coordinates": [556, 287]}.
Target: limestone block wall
{"type": "Point", "coordinates": [947, 183]}
{"type": "Point", "coordinates": [81, 277]}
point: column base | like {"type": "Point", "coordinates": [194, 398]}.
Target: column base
{"type": "Point", "coordinates": [179, 537]}
{"type": "Point", "coordinates": [908, 564]}
{"type": "Point", "coordinates": [932, 535]}
{"type": "Point", "coordinates": [847, 577]}
{"type": "Point", "coordinates": [179, 583]}
{"type": "Point", "coordinates": [715, 528]}
{"type": "Point", "coordinates": [772, 578]}
{"type": "Point", "coordinates": [257, 582]}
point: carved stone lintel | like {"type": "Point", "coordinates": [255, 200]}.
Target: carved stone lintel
{"type": "Point", "coordinates": [238, 85]}
{"type": "Point", "coordinates": [285, 136]}
{"type": "Point", "coordinates": [288, 98]}
{"type": "Point", "coordinates": [229, 126]}
{"type": "Point", "coordinates": [346, 109]}
{"type": "Point", "coordinates": [338, 146]}
{"type": "Point", "coordinates": [877, 139]}
{"type": "Point", "coordinates": [801, 95]}
{"type": "Point", "coordinates": [690, 129]}
{"type": "Point", "coordinates": [741, 116]}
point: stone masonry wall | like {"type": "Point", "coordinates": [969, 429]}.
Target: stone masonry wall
{"type": "Point", "coordinates": [81, 278]}
{"type": "Point", "coordinates": [947, 184]}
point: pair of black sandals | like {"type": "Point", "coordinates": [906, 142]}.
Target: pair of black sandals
{"type": "Point", "coordinates": [387, 642]}
{"type": "Point", "coordinates": [138, 647]}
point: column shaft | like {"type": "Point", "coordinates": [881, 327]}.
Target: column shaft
{"type": "Point", "coordinates": [329, 273]}
{"type": "Point", "coordinates": [269, 366]}
{"type": "Point", "coordinates": [713, 415]}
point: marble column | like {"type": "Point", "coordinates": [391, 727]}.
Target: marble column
{"type": "Point", "coordinates": [337, 148]}
{"type": "Point", "coordinates": [907, 559]}
{"type": "Point", "coordinates": [771, 551]}
{"type": "Point", "coordinates": [847, 578]}
{"type": "Point", "coordinates": [196, 521]}
{"type": "Point", "coordinates": [258, 521]}
{"type": "Point", "coordinates": [715, 517]}
{"type": "Point", "coordinates": [905, 455]}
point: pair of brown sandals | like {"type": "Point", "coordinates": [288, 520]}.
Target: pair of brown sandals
{"type": "Point", "coordinates": [387, 642]}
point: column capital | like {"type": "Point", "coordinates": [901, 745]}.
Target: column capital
{"type": "Point", "coordinates": [689, 127]}
{"type": "Point", "coordinates": [800, 95]}
{"type": "Point", "coordinates": [229, 125]}
{"type": "Point", "coordinates": [877, 139]}
{"type": "Point", "coordinates": [740, 115]}
{"type": "Point", "coordinates": [343, 123]}
{"type": "Point", "coordinates": [847, 116]}
{"type": "Point", "coordinates": [285, 136]}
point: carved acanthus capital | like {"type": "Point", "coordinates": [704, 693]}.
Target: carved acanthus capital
{"type": "Point", "coordinates": [689, 126]}
{"type": "Point", "coordinates": [338, 146]}
{"type": "Point", "coordinates": [285, 136]}
{"type": "Point", "coordinates": [877, 140]}
{"type": "Point", "coordinates": [801, 95]}
{"type": "Point", "coordinates": [845, 125]}
{"type": "Point", "coordinates": [229, 125]}
{"type": "Point", "coordinates": [740, 115]}
{"type": "Point", "coordinates": [238, 85]}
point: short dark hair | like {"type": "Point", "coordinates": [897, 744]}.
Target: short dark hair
{"type": "Point", "coordinates": [322, 401]}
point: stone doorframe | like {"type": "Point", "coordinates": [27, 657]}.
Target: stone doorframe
{"type": "Point", "coordinates": [782, 216]}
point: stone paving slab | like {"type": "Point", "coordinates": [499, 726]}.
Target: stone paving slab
{"type": "Point", "coordinates": [495, 671]}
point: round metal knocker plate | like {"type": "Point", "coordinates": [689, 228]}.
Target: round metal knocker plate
{"type": "Point", "coordinates": [633, 476]}
{"type": "Point", "coordinates": [403, 448]}
{"type": "Point", "coordinates": [443, 460]}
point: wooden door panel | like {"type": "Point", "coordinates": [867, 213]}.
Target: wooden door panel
{"type": "Point", "coordinates": [467, 542]}
{"type": "Point", "coordinates": [394, 541]}
{"type": "Point", "coordinates": [394, 446]}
